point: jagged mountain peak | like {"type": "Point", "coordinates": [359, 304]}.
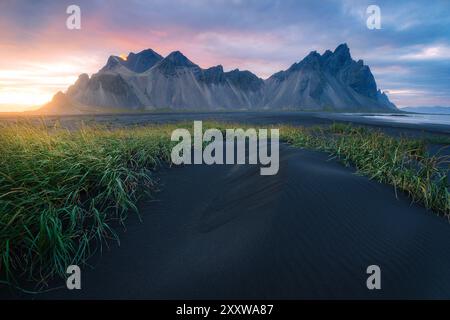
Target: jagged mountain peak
{"type": "Point", "coordinates": [146, 52]}
{"type": "Point", "coordinates": [243, 74]}
{"type": "Point", "coordinates": [142, 61]}
{"type": "Point", "coordinates": [339, 58]}
{"type": "Point", "coordinates": [327, 53]}
{"type": "Point", "coordinates": [212, 75]}
{"type": "Point", "coordinates": [218, 68]}
{"type": "Point", "coordinates": [341, 55]}
{"type": "Point", "coordinates": [178, 59]}
{"type": "Point", "coordinates": [176, 62]}
{"type": "Point", "coordinates": [343, 47]}
{"type": "Point", "coordinates": [83, 77]}
{"type": "Point", "coordinates": [112, 63]}
{"type": "Point", "coordinates": [311, 61]}
{"type": "Point", "coordinates": [332, 80]}
{"type": "Point", "coordinates": [343, 51]}
{"type": "Point", "coordinates": [136, 62]}
{"type": "Point", "coordinates": [80, 84]}
{"type": "Point", "coordinates": [60, 103]}
{"type": "Point", "coordinates": [146, 80]}
{"type": "Point", "coordinates": [245, 79]}
{"type": "Point", "coordinates": [312, 55]}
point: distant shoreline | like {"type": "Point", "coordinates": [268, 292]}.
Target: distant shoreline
{"type": "Point", "coordinates": [257, 117]}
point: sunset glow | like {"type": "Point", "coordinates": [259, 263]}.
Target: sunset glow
{"type": "Point", "coordinates": [28, 85]}
{"type": "Point", "coordinates": [40, 56]}
{"type": "Point", "coordinates": [21, 99]}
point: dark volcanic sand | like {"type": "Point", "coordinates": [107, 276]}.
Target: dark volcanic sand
{"type": "Point", "coordinates": [308, 232]}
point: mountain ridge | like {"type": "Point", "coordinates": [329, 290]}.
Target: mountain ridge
{"type": "Point", "coordinates": [149, 81]}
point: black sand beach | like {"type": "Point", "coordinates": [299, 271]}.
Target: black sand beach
{"type": "Point", "coordinates": [258, 118]}
{"type": "Point", "coordinates": [226, 232]}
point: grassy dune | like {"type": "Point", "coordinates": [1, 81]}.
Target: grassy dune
{"type": "Point", "coordinates": [401, 162]}
{"type": "Point", "coordinates": [62, 192]}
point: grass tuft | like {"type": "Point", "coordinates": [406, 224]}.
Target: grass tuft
{"type": "Point", "coordinates": [401, 162]}
{"type": "Point", "coordinates": [61, 190]}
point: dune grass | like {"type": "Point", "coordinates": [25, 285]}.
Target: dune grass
{"type": "Point", "coordinates": [60, 191]}
{"type": "Point", "coordinates": [63, 192]}
{"type": "Point", "coordinates": [435, 139]}
{"type": "Point", "coordinates": [398, 161]}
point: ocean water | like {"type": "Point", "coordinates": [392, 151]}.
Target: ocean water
{"type": "Point", "coordinates": [412, 118]}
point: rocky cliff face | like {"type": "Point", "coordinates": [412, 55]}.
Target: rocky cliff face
{"type": "Point", "coordinates": [332, 81]}
{"type": "Point", "coordinates": [146, 80]}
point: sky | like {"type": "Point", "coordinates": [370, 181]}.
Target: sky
{"type": "Point", "coordinates": [409, 56]}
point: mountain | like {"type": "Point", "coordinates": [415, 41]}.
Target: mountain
{"type": "Point", "coordinates": [147, 81]}
{"type": "Point", "coordinates": [332, 81]}
{"type": "Point", "coordinates": [430, 109]}
{"type": "Point", "coordinates": [136, 62]}
{"type": "Point", "coordinates": [60, 104]}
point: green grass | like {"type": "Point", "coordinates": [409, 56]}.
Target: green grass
{"type": "Point", "coordinates": [62, 193]}
{"type": "Point", "coordinates": [435, 139]}
{"type": "Point", "coordinates": [400, 162]}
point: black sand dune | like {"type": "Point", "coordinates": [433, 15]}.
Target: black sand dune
{"type": "Point", "coordinates": [308, 232]}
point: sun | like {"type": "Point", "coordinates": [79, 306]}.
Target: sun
{"type": "Point", "coordinates": [22, 99]}
{"type": "Point", "coordinates": [123, 56]}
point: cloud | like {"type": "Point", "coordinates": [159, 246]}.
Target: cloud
{"type": "Point", "coordinates": [429, 53]}
{"type": "Point", "coordinates": [411, 50]}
